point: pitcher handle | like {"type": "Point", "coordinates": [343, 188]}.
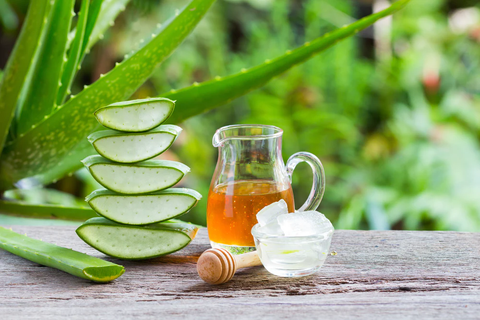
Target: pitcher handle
{"type": "Point", "coordinates": [318, 185]}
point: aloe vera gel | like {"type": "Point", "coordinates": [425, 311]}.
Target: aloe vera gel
{"type": "Point", "coordinates": [136, 178]}
{"type": "Point", "coordinates": [145, 208]}
{"type": "Point", "coordinates": [138, 198]}
{"type": "Point", "coordinates": [135, 115]}
{"type": "Point", "coordinates": [136, 242]}
{"type": "Point", "coordinates": [133, 147]}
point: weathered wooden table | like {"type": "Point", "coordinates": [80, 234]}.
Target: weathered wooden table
{"type": "Point", "coordinates": [375, 275]}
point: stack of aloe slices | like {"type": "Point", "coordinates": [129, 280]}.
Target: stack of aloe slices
{"type": "Point", "coordinates": [138, 199]}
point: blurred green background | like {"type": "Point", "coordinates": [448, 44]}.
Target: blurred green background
{"type": "Point", "coordinates": [393, 113]}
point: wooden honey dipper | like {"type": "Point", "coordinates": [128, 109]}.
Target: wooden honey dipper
{"type": "Point", "coordinates": [217, 266]}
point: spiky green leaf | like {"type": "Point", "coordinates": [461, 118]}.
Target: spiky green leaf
{"type": "Point", "coordinates": [43, 147]}
{"type": "Point", "coordinates": [93, 13]}
{"type": "Point", "coordinates": [19, 63]}
{"type": "Point", "coordinates": [47, 254]}
{"type": "Point", "coordinates": [74, 53]}
{"type": "Point", "coordinates": [45, 82]}
{"type": "Point", "coordinates": [196, 99]}
{"type": "Point", "coordinates": [64, 167]}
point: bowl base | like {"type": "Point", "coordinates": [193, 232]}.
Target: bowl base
{"type": "Point", "coordinates": [232, 248]}
{"type": "Point", "coordinates": [289, 273]}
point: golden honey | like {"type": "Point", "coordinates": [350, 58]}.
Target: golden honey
{"type": "Point", "coordinates": [232, 208]}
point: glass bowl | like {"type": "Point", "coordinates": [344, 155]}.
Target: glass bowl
{"type": "Point", "coordinates": [292, 256]}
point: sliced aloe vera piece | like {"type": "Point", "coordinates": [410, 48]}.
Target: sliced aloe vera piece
{"type": "Point", "coordinates": [50, 255]}
{"type": "Point", "coordinates": [135, 115]}
{"type": "Point", "coordinates": [133, 147]}
{"type": "Point", "coordinates": [136, 242]}
{"type": "Point", "coordinates": [135, 178]}
{"type": "Point", "coordinates": [143, 209]}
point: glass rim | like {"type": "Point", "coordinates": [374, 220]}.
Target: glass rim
{"type": "Point", "coordinates": [217, 141]}
{"type": "Point", "coordinates": [317, 237]}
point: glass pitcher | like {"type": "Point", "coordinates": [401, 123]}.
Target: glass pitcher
{"type": "Point", "coordinates": [250, 174]}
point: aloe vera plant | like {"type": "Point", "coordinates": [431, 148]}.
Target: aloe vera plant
{"type": "Point", "coordinates": [136, 242]}
{"type": "Point", "coordinates": [42, 142]}
{"type": "Point", "coordinates": [143, 209]}
{"type": "Point", "coordinates": [70, 261]}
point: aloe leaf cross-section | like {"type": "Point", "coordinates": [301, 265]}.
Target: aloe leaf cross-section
{"type": "Point", "coordinates": [134, 147]}
{"type": "Point", "coordinates": [136, 242]}
{"type": "Point", "coordinates": [135, 115]}
{"type": "Point", "coordinates": [135, 178]}
{"type": "Point", "coordinates": [143, 209]}
{"type": "Point", "coordinates": [50, 255]}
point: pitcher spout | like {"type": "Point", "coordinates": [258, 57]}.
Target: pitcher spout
{"type": "Point", "coordinates": [245, 132]}
{"type": "Point", "coordinates": [217, 139]}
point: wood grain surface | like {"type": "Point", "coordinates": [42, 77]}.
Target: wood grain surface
{"type": "Point", "coordinates": [375, 275]}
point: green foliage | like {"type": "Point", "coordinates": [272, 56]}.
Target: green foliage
{"type": "Point", "coordinates": [200, 97]}
{"type": "Point", "coordinates": [400, 150]}
{"type": "Point", "coordinates": [8, 17]}
{"type": "Point", "coordinates": [52, 139]}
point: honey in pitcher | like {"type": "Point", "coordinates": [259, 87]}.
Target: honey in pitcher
{"type": "Point", "coordinates": [232, 209]}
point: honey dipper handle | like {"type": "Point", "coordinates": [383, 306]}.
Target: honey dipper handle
{"type": "Point", "coordinates": [250, 259]}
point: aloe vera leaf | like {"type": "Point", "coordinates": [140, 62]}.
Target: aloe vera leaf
{"type": "Point", "coordinates": [62, 169]}
{"type": "Point", "coordinates": [16, 70]}
{"type": "Point", "coordinates": [199, 98]}
{"type": "Point", "coordinates": [44, 146]}
{"type": "Point", "coordinates": [135, 178]}
{"type": "Point", "coordinates": [74, 53]}
{"type": "Point", "coordinates": [106, 17]}
{"type": "Point", "coordinates": [40, 211]}
{"type": "Point", "coordinates": [136, 242]}
{"type": "Point", "coordinates": [135, 115]}
{"type": "Point", "coordinates": [134, 147]}
{"type": "Point", "coordinates": [47, 254]}
{"type": "Point", "coordinates": [42, 92]}
{"type": "Point", "coordinates": [143, 209]}
{"type": "Point", "coordinates": [93, 13]}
